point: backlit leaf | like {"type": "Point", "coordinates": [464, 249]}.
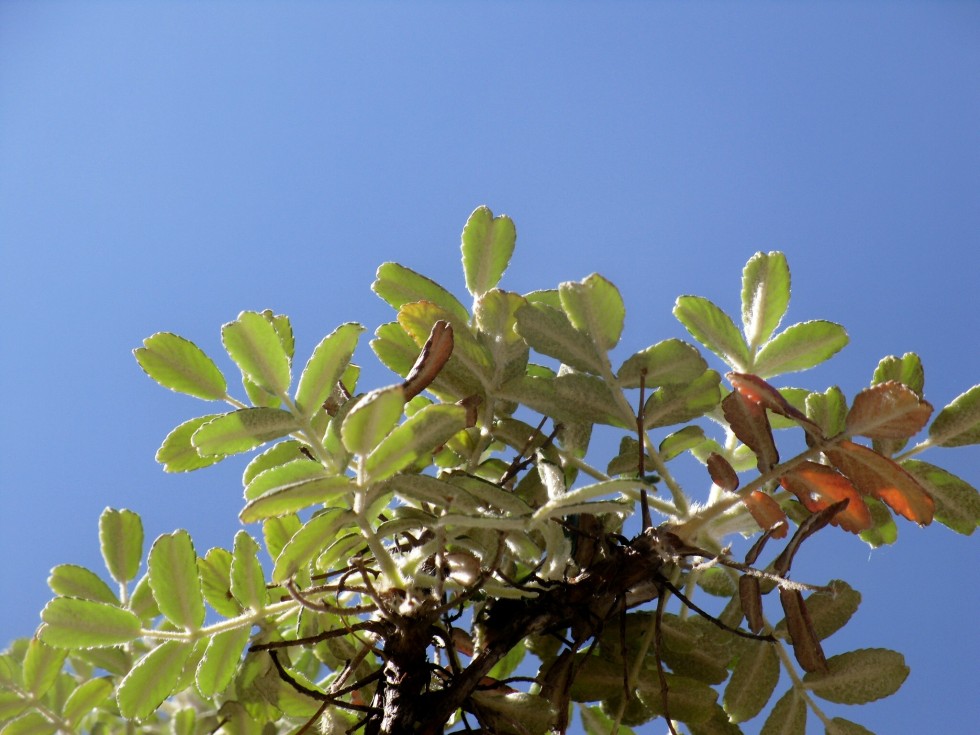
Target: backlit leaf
{"type": "Point", "coordinates": [957, 502]}
{"type": "Point", "coordinates": [884, 479]}
{"type": "Point", "coordinates": [713, 328]}
{"type": "Point", "coordinates": [550, 332]}
{"type": "Point", "coordinates": [178, 453]}
{"type": "Point", "coordinates": [247, 580]}
{"type": "Point", "coordinates": [241, 430]}
{"type": "Point", "coordinates": [372, 418]}
{"type": "Point", "coordinates": [681, 441]}
{"type": "Point", "coordinates": [788, 717]}
{"type": "Point", "coordinates": [766, 512]}
{"type": "Point", "coordinates": [906, 370]}
{"type": "Point", "coordinates": [315, 536]}
{"type": "Point", "coordinates": [277, 532]}
{"type": "Point", "coordinates": [295, 497]}
{"type": "Point", "coordinates": [398, 285]}
{"type": "Point", "coordinates": [799, 347]}
{"type": "Point", "coordinates": [73, 623]}
{"type": "Point", "coordinates": [757, 390]}
{"type": "Point", "coordinates": [487, 244]}
{"type": "Point", "coordinates": [421, 434]}
{"type": "Point", "coordinates": [665, 363]}
{"type": "Point", "coordinates": [958, 424]}
{"type": "Point", "coordinates": [883, 529]}
{"type": "Point", "coordinates": [818, 486]}
{"type": "Point", "coordinates": [887, 410]}
{"type": "Point", "coordinates": [33, 723]}
{"type": "Point", "coordinates": [721, 472]}
{"type": "Point", "coordinates": [594, 306]}
{"type": "Point", "coordinates": [591, 398]}
{"type": "Point", "coordinates": [42, 664]}
{"type": "Point", "coordinates": [215, 571]}
{"type": "Point", "coordinates": [174, 578]}
{"type": "Point", "coordinates": [256, 347]}
{"type": "Point", "coordinates": [152, 679]}
{"type": "Point", "coordinates": [765, 295]}
{"type": "Point", "coordinates": [675, 404]}
{"type": "Point", "coordinates": [753, 681]}
{"type": "Point", "coordinates": [121, 540]}
{"type": "Point", "coordinates": [69, 580]}
{"type": "Point", "coordinates": [298, 469]}
{"type": "Point", "coordinates": [86, 697]}
{"type": "Point", "coordinates": [860, 676]}
{"type": "Point", "coordinates": [325, 367]}
{"type": "Point", "coordinates": [220, 660]}
{"type": "Point", "coordinates": [180, 365]}
{"type": "Point", "coordinates": [828, 410]}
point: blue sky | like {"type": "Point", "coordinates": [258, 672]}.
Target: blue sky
{"type": "Point", "coordinates": [165, 165]}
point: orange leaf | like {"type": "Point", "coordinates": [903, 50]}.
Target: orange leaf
{"type": "Point", "coordinates": [751, 425]}
{"type": "Point", "coordinates": [888, 410]}
{"type": "Point", "coordinates": [759, 391]}
{"type": "Point", "coordinates": [722, 473]}
{"type": "Point", "coordinates": [818, 486]}
{"type": "Point", "coordinates": [767, 513]}
{"type": "Point", "coordinates": [879, 476]}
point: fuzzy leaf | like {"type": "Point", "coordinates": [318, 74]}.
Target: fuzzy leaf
{"type": "Point", "coordinates": [175, 580]}
{"type": "Point", "coordinates": [487, 244]}
{"type": "Point", "coordinates": [86, 697]}
{"type": "Point", "coordinates": [675, 404]}
{"type": "Point", "coordinates": [884, 479]}
{"type": "Point", "coordinates": [549, 331]}
{"type": "Point", "coordinates": [274, 456]}
{"type": "Point", "coordinates": [681, 441]}
{"type": "Point", "coordinates": [860, 676]}
{"type": "Point", "coordinates": [840, 726]}
{"type": "Point", "coordinates": [722, 473]}
{"type": "Point", "coordinates": [883, 529]}
{"type": "Point", "coordinates": [372, 418]}
{"type": "Point", "coordinates": [256, 347]}
{"type": "Point", "coordinates": [69, 580]}
{"type": "Point", "coordinates": [799, 347]}
{"type": "Point", "coordinates": [180, 365]}
{"type": "Point", "coordinates": [295, 496]}
{"type": "Point", "coordinates": [325, 367]}
{"type": "Point", "coordinates": [829, 611]}
{"type": "Point", "coordinates": [220, 661]}
{"type": "Point", "coordinates": [247, 581]}
{"type": "Point", "coordinates": [714, 329]}
{"type": "Point", "coordinates": [73, 623]}
{"type": "Point", "coordinates": [315, 536]}
{"type": "Point", "coordinates": [957, 502]}
{"type": "Point", "coordinates": [958, 424]}
{"type": "Point", "coordinates": [282, 475]}
{"type": "Point", "coordinates": [121, 540]}
{"type": "Point", "coordinates": [178, 453]}
{"type": "Point", "coordinates": [887, 411]}
{"type": "Point", "coordinates": [421, 434]}
{"type": "Point", "coordinates": [241, 430]}
{"type": "Point", "coordinates": [33, 723]}
{"type": "Point", "coordinates": [42, 664]}
{"type": "Point", "coordinates": [906, 370]}
{"type": "Point", "coordinates": [665, 363]}
{"type": "Point", "coordinates": [594, 306]}
{"type": "Point", "coordinates": [753, 681]}
{"type": "Point", "coordinates": [828, 410]}
{"type": "Point", "coordinates": [765, 295]}
{"type": "Point", "coordinates": [818, 486]}
{"type": "Point", "coordinates": [152, 679]}
{"type": "Point", "coordinates": [215, 571]}
{"type": "Point", "coordinates": [788, 717]}
{"type": "Point", "coordinates": [398, 285]}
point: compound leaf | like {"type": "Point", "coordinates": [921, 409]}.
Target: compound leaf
{"type": "Point", "coordinates": [246, 579]}
{"type": "Point", "coordinates": [424, 432]}
{"type": "Point", "coordinates": [69, 580]}
{"type": "Point", "coordinates": [42, 664]}
{"type": "Point", "coordinates": [295, 496]}
{"type": "Point", "coordinates": [220, 661]}
{"type": "Point", "coordinates": [594, 306]}
{"type": "Point", "coordinates": [182, 366]}
{"type": "Point", "coordinates": [859, 677]}
{"type": "Point", "coordinates": [175, 580]}
{"type": "Point", "coordinates": [765, 295]}
{"type": "Point", "coordinates": [665, 363]}
{"type": "Point", "coordinates": [152, 679]}
{"type": "Point", "coordinates": [549, 331]}
{"type": "Point", "coordinates": [241, 430]}
{"type": "Point", "coordinates": [325, 367]}
{"type": "Point", "coordinates": [788, 717]}
{"type": "Point", "coordinates": [799, 347]}
{"type": "Point", "coordinates": [487, 243]}
{"type": "Point", "coordinates": [372, 418]}
{"type": "Point", "coordinates": [74, 623]}
{"type": "Point", "coordinates": [255, 345]}
{"type": "Point", "coordinates": [752, 682]}
{"type": "Point", "coordinates": [121, 540]}
{"type": "Point", "coordinates": [86, 697]}
{"type": "Point", "coordinates": [713, 328]}
{"type": "Point", "coordinates": [178, 453]}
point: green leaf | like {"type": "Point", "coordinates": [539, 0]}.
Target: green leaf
{"type": "Point", "coordinates": [828, 410]}
{"type": "Point", "coordinates": [86, 697]}
{"type": "Point", "coordinates": [419, 435]}
{"type": "Point", "coordinates": [665, 363]}
{"type": "Point", "coordinates": [514, 713]}
{"type": "Point", "coordinates": [788, 717]}
{"type": "Point", "coordinates": [906, 370]}
{"type": "Point", "coordinates": [596, 722]}
{"type": "Point", "coordinates": [398, 285]}
{"type": "Point", "coordinates": [180, 365]}
{"type": "Point", "coordinates": [799, 347]}
{"type": "Point", "coordinates": [840, 726]}
{"type": "Point", "coordinates": [178, 453]}
{"type": "Point", "coordinates": [315, 536]}
{"type": "Point", "coordinates": [285, 474]}
{"type": "Point", "coordinates": [829, 611]}
{"type": "Point", "coordinates": [69, 580]}
{"type": "Point", "coordinates": [121, 540]}
{"type": "Point", "coordinates": [295, 497]}
{"type": "Point", "coordinates": [215, 571]}
{"type": "Point", "coordinates": [594, 306]}
{"type": "Point", "coordinates": [859, 677]}
{"type": "Point", "coordinates": [325, 367]}
{"type": "Point", "coordinates": [713, 328]}
{"type": "Point", "coordinates": [256, 347]}
{"type": "Point", "coordinates": [487, 244]}
{"type": "Point", "coordinates": [280, 322]}
{"type": "Point", "coordinates": [372, 418]}
{"type": "Point", "coordinates": [957, 503]}
{"type": "Point", "coordinates": [564, 501]}
{"type": "Point", "coordinates": [220, 662]}
{"type": "Point", "coordinates": [73, 623]}
{"type": "Point", "coordinates": [681, 441]}
{"type": "Point", "coordinates": [241, 430]}
{"type": "Point", "coordinates": [42, 664]}
{"type": "Point", "coordinates": [11, 704]}
{"type": "Point", "coordinates": [959, 423]}
{"type": "Point", "coordinates": [675, 404]}
{"type": "Point", "coordinates": [175, 580]}
{"type": "Point", "coordinates": [152, 679]}
{"type": "Point", "coordinates": [765, 295]}
{"type": "Point", "coordinates": [278, 454]}
{"type": "Point", "coordinates": [883, 530]}
{"type": "Point", "coordinates": [33, 723]}
{"type": "Point", "coordinates": [753, 681]}
{"type": "Point", "coordinates": [247, 580]}
{"type": "Point", "coordinates": [549, 331]}
{"type": "Point", "coordinates": [277, 532]}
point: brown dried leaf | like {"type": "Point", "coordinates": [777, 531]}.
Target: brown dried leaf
{"type": "Point", "coordinates": [888, 410]}
{"type": "Point", "coordinates": [750, 424]}
{"type": "Point", "coordinates": [873, 474]}
{"type": "Point", "coordinates": [767, 513]}
{"type": "Point", "coordinates": [722, 473]}
{"type": "Point", "coordinates": [806, 646]}
{"type": "Point", "coordinates": [818, 486]}
{"type": "Point", "coordinates": [750, 597]}
{"type": "Point", "coordinates": [806, 529]}
{"type": "Point", "coordinates": [435, 354]}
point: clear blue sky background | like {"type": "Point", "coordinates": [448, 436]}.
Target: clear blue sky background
{"type": "Point", "coordinates": [165, 165]}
